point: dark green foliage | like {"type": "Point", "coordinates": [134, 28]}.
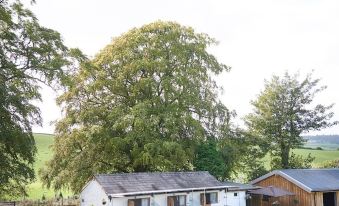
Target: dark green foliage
{"type": "Point", "coordinates": [256, 170]}
{"type": "Point", "coordinates": [282, 112]}
{"type": "Point", "coordinates": [142, 104]}
{"type": "Point", "coordinates": [295, 162]}
{"type": "Point", "coordinates": [29, 54]}
{"type": "Point", "coordinates": [298, 161]}
{"type": "Point", "coordinates": [251, 151]}
{"type": "Point", "coordinates": [209, 158]}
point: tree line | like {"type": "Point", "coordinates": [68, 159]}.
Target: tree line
{"type": "Point", "coordinates": [146, 102]}
{"type": "Point", "coordinates": [333, 139]}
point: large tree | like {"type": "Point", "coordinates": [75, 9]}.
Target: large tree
{"type": "Point", "coordinates": [139, 105]}
{"type": "Point", "coordinates": [284, 111]}
{"type": "Point", "coordinates": [209, 157]}
{"type": "Point", "coordinates": [29, 55]}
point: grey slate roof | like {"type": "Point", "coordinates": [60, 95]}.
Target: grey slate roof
{"type": "Point", "coordinates": [311, 180]}
{"type": "Point", "coordinates": [142, 183]}
{"type": "Point", "coordinates": [238, 186]}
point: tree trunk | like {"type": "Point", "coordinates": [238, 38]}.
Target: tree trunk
{"type": "Point", "coordinates": [285, 154]}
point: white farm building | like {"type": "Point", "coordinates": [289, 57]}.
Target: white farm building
{"type": "Point", "coordinates": [162, 189]}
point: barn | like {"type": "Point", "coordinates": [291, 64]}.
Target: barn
{"type": "Point", "coordinates": [306, 187]}
{"type": "Point", "coordinates": [162, 189]}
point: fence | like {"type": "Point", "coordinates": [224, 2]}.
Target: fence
{"type": "Point", "coordinates": [54, 202]}
{"type": "Point", "coordinates": [7, 204]}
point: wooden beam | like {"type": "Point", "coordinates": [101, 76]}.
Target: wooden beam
{"type": "Point", "coordinates": [319, 199]}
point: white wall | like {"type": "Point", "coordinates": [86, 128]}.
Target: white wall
{"type": "Point", "coordinates": [239, 200]}
{"type": "Point", "coordinates": [192, 198]}
{"type": "Point", "coordinates": [93, 194]}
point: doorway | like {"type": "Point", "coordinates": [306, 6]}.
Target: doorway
{"type": "Point", "coordinates": [329, 198]}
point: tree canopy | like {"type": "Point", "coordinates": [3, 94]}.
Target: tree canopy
{"type": "Point", "coordinates": [209, 157]}
{"type": "Point", "coordinates": [140, 105]}
{"type": "Point", "coordinates": [30, 54]}
{"type": "Point", "coordinates": [282, 112]}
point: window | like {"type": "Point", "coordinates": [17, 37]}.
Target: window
{"type": "Point", "coordinates": [211, 198]}
{"type": "Point", "coordinates": [235, 194]}
{"type": "Point", "coordinates": [179, 200]}
{"type": "Point", "coordinates": [139, 202]}
{"type": "Point", "coordinates": [265, 198]}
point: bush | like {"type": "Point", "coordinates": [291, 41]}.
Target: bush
{"type": "Point", "coordinates": [331, 164]}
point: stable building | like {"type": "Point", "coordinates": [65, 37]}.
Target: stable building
{"type": "Point", "coordinates": [162, 189]}
{"type": "Point", "coordinates": [303, 187]}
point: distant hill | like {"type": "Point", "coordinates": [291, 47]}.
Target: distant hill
{"type": "Point", "coordinates": [328, 142]}
{"type": "Point", "coordinates": [323, 138]}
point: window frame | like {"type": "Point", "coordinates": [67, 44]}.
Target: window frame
{"type": "Point", "coordinates": [177, 199]}
{"type": "Point", "coordinates": [134, 199]}
{"type": "Point", "coordinates": [203, 198]}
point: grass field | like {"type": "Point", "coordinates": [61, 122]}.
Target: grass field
{"type": "Point", "coordinates": [35, 190]}
{"type": "Point", "coordinates": [320, 155]}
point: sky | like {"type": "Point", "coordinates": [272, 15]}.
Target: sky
{"type": "Point", "coordinates": [256, 38]}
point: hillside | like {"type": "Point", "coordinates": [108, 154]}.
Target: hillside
{"type": "Point", "coordinates": [43, 143]}
{"type": "Point", "coordinates": [327, 142]}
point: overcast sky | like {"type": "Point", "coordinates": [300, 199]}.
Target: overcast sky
{"type": "Point", "coordinates": [257, 39]}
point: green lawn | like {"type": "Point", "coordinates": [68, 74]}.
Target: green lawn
{"type": "Point", "coordinates": [35, 190]}
{"type": "Point", "coordinates": [320, 155]}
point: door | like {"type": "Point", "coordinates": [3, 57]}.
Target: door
{"type": "Point", "coordinates": [170, 201]}
{"type": "Point", "coordinates": [233, 198]}
{"type": "Point", "coordinates": [329, 198]}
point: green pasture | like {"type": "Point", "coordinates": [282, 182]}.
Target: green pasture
{"type": "Point", "coordinates": [320, 156]}
{"type": "Point", "coordinates": [44, 153]}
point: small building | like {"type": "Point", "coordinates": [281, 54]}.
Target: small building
{"type": "Point", "coordinates": [311, 187]}
{"type": "Point", "coordinates": [239, 195]}
{"type": "Point", "coordinates": [161, 189]}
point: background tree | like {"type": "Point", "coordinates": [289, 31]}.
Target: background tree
{"type": "Point", "coordinates": [208, 157]}
{"type": "Point", "coordinates": [282, 112]}
{"type": "Point", "coordinates": [140, 105]}
{"type": "Point", "coordinates": [234, 155]}
{"type": "Point", "coordinates": [29, 54]}
{"type": "Point", "coordinates": [251, 152]}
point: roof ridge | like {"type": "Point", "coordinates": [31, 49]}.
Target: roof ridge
{"type": "Point", "coordinates": [301, 177]}
{"type": "Point", "coordinates": [306, 169]}
{"type": "Point", "coordinates": [140, 173]}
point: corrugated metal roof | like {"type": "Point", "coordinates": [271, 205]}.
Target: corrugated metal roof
{"type": "Point", "coordinates": [129, 183]}
{"type": "Point", "coordinates": [311, 180]}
